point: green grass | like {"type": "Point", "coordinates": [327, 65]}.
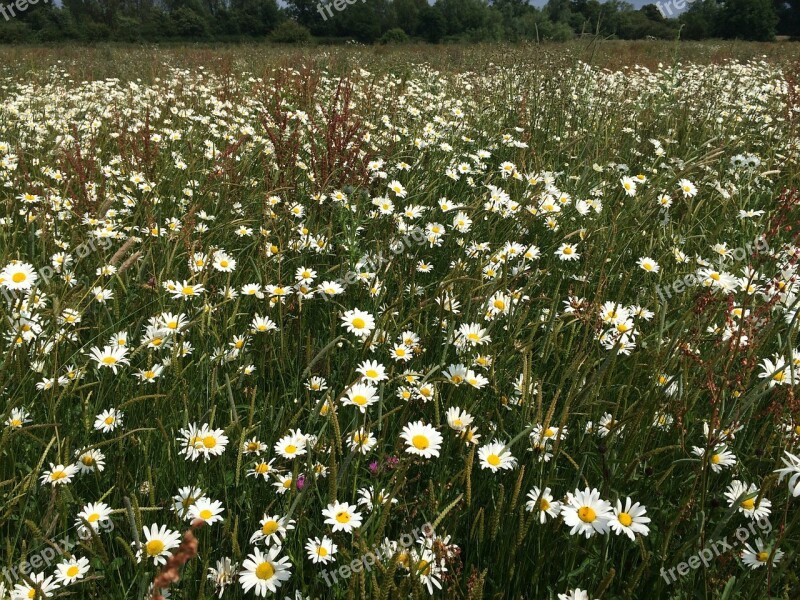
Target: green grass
{"type": "Point", "coordinates": [579, 111]}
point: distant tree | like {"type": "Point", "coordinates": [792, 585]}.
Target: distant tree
{"type": "Point", "coordinates": [254, 17]}
{"type": "Point", "coordinates": [432, 24]}
{"type": "Point", "coordinates": [701, 21]}
{"type": "Point", "coordinates": [748, 20]}
{"type": "Point", "coordinates": [290, 32]}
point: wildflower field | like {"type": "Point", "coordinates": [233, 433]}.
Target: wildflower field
{"type": "Point", "coordinates": [352, 323]}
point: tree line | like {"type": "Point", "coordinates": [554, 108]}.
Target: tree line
{"type": "Point", "coordinates": [391, 21]}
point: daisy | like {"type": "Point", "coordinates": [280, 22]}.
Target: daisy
{"type": "Point", "coordinates": [110, 357]}
{"type": "Point", "coordinates": [421, 439]}
{"type": "Point", "coordinates": [261, 469]}
{"type": "Point", "coordinates": [41, 588]}
{"type": "Point", "coordinates": [59, 474]}
{"type": "Point", "coordinates": [361, 441]}
{"type": "Point", "coordinates": [207, 511]}
{"type": "Point", "coordinates": [718, 458]}
{"type": "Point", "coordinates": [576, 594]}
{"type": "Point", "coordinates": [95, 514]}
{"type": "Point", "coordinates": [321, 551]}
{"type": "Point", "coordinates": [792, 470]}
{"type": "Point", "coordinates": [90, 460]}
{"type": "Point", "coordinates": [744, 497]}
{"type": "Point", "coordinates": [222, 575]}
{"type": "Point", "coordinates": [688, 188]}
{"type": "Point", "coordinates": [586, 513]}
{"type": "Point", "coordinates": [18, 276]}
{"type": "Point", "coordinates": [473, 334]}
{"type": "Point", "coordinates": [187, 290]}
{"type": "Point", "coordinates": [272, 530]}
{"type": "Point", "coordinates": [495, 455]}
{"type": "Point", "coordinates": [358, 322]}
{"type": "Point", "coordinates": [629, 519]}
{"type": "Point", "coordinates": [291, 445]}
{"type": "Point", "coordinates": [648, 264]}
{"type": "Point", "coordinates": [759, 556]}
{"type": "Point", "coordinates": [361, 395]}
{"type": "Point", "coordinates": [458, 419]}
{"type": "Point", "coordinates": [342, 516]}
{"type": "Point", "coordinates": [185, 499]}
{"type": "Point", "coordinates": [264, 572]}
{"type": "Point", "coordinates": [71, 570]}
{"type": "Point", "coordinates": [372, 371]}
{"type": "Point", "coordinates": [158, 544]}
{"type": "Point", "coordinates": [17, 418]}
{"type": "Point", "coordinates": [543, 502]}
{"type": "Point", "coordinates": [567, 252]}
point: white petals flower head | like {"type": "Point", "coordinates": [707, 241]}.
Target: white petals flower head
{"type": "Point", "coordinates": [71, 570]}
{"type": "Point", "coordinates": [495, 456]}
{"type": "Point", "coordinates": [272, 530]}
{"type": "Point", "coordinates": [59, 474]}
{"type": "Point", "coordinates": [792, 471]}
{"type": "Point", "coordinates": [760, 555]}
{"type": "Point", "coordinates": [342, 516]}
{"type": "Point", "coordinates": [264, 572]}
{"type": "Point", "coordinates": [629, 519]}
{"type": "Point", "coordinates": [158, 544]}
{"type": "Point", "coordinates": [358, 322]}
{"type": "Point", "coordinates": [421, 439]}
{"type": "Point", "coordinates": [18, 276]}
{"type": "Point", "coordinates": [110, 357]}
{"type": "Point", "coordinates": [543, 502]}
{"type": "Point", "coordinates": [586, 513]}
{"type": "Point", "coordinates": [321, 550]}
{"type": "Point", "coordinates": [207, 511]}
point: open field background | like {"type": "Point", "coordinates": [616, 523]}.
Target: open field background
{"type": "Point", "coordinates": [455, 286]}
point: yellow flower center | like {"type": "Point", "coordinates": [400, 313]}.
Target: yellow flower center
{"type": "Point", "coordinates": [18, 277]}
{"type": "Point", "coordinates": [187, 291]}
{"type": "Point", "coordinates": [586, 514]}
{"type": "Point", "coordinates": [109, 360]}
{"type": "Point", "coordinates": [290, 449]}
{"type": "Point", "coordinates": [206, 514]}
{"type": "Point", "coordinates": [372, 373]}
{"type": "Point", "coordinates": [269, 527]}
{"type": "Point", "coordinates": [265, 571]}
{"type": "Point", "coordinates": [343, 516]}
{"type": "Point", "coordinates": [88, 460]}
{"type": "Point", "coordinates": [625, 519]}
{"type": "Point", "coordinates": [108, 420]}
{"type": "Point", "coordinates": [154, 547]}
{"type": "Point", "coordinates": [73, 571]}
{"type": "Point", "coordinates": [359, 323]}
{"type": "Point", "coordinates": [716, 458]}
{"type": "Point", "coordinates": [544, 505]}
{"type": "Point", "coordinates": [762, 556]}
{"type": "Point", "coordinates": [322, 552]}
{"type": "Point", "coordinates": [93, 518]}
{"type": "Point", "coordinates": [57, 475]}
{"type": "Point", "coordinates": [420, 442]}
{"type": "Point", "coordinates": [493, 460]}
{"type": "Point", "coordinates": [360, 400]}
{"type": "Point", "coordinates": [749, 504]}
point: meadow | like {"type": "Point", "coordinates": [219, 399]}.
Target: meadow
{"type": "Point", "coordinates": [464, 322]}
